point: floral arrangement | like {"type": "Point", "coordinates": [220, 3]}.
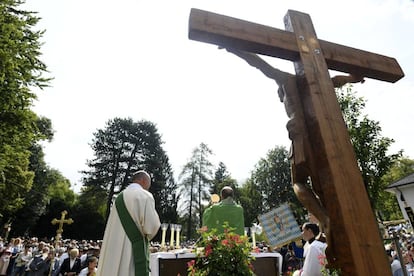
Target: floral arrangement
{"type": "Point", "coordinates": [222, 254]}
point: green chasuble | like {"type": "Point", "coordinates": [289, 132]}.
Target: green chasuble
{"type": "Point", "coordinates": [139, 243]}
{"type": "Point", "coordinates": [226, 210]}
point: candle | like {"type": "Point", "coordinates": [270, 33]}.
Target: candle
{"type": "Point", "coordinates": [253, 233]}
{"type": "Point", "coordinates": [172, 227]}
{"type": "Point", "coordinates": [178, 229]}
{"type": "Point", "coordinates": [246, 229]}
{"type": "Point", "coordinates": [164, 227]}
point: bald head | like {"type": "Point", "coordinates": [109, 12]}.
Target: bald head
{"type": "Point", "coordinates": [226, 192]}
{"type": "Point", "coordinates": [142, 178]}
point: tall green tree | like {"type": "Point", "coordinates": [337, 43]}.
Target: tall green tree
{"type": "Point", "coordinates": [20, 71]}
{"type": "Point", "coordinates": [60, 197]}
{"type": "Point", "coordinates": [269, 186]}
{"type": "Point", "coordinates": [50, 190]}
{"type": "Point", "coordinates": [371, 148]}
{"type": "Point", "coordinates": [88, 214]}
{"type": "Point", "coordinates": [120, 149]}
{"type": "Point", "coordinates": [195, 182]}
{"type": "Point", "coordinates": [272, 178]}
{"type": "Point", "coordinates": [251, 201]}
{"type": "Point", "coordinates": [188, 202]}
{"type": "Point", "coordinates": [223, 178]}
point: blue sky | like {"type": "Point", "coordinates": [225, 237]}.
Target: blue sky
{"type": "Point", "coordinates": [134, 59]}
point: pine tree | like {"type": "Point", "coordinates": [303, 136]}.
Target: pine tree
{"type": "Point", "coordinates": [194, 186]}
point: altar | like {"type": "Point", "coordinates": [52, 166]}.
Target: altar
{"type": "Point", "coordinates": [175, 263]}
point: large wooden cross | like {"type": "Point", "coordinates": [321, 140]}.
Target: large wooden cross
{"type": "Point", "coordinates": [355, 242]}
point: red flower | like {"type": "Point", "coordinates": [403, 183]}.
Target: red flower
{"type": "Point", "coordinates": [191, 267]}
{"type": "Point", "coordinates": [219, 250]}
{"type": "Point", "coordinates": [208, 250]}
{"type": "Point", "coordinates": [236, 238]}
{"type": "Point", "coordinates": [191, 263]}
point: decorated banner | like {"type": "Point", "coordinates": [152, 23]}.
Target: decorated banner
{"type": "Point", "coordinates": [280, 226]}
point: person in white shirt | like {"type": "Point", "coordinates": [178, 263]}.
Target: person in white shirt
{"type": "Point", "coordinates": [91, 269]}
{"type": "Point", "coordinates": [22, 259]}
{"type": "Point", "coordinates": [314, 251]}
{"type": "Point", "coordinates": [396, 267]}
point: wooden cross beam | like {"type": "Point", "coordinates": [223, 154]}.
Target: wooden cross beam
{"type": "Point", "coordinates": [251, 37]}
{"type": "Point", "coordinates": [355, 244]}
{"type": "Point", "coordinates": [61, 221]}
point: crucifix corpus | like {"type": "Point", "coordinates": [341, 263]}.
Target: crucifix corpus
{"type": "Point", "coordinates": [61, 221]}
{"type": "Point", "coordinates": [321, 152]}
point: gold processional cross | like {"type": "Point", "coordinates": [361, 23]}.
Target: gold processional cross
{"type": "Point", "coordinates": [321, 147]}
{"type": "Point", "coordinates": [62, 220]}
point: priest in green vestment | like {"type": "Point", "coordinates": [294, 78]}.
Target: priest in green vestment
{"type": "Point", "coordinates": [226, 210]}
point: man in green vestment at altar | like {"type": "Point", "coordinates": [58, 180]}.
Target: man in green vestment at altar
{"type": "Point", "coordinates": [225, 211]}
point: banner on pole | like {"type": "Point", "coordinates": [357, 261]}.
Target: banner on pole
{"type": "Point", "coordinates": [280, 226]}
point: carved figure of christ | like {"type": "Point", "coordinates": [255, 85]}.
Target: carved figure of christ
{"type": "Point", "coordinates": [321, 145]}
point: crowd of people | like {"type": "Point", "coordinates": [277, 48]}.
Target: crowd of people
{"type": "Point", "coordinates": [133, 222]}
{"type": "Point", "coordinates": [399, 246]}
{"type": "Point", "coordinates": [31, 257]}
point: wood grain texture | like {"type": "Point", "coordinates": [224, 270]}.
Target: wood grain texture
{"type": "Point", "coordinates": [356, 244]}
